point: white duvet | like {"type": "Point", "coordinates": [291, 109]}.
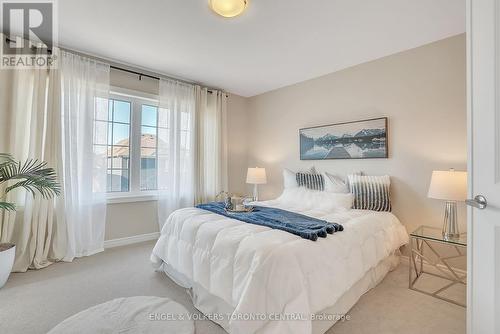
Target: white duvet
{"type": "Point", "coordinates": [271, 273]}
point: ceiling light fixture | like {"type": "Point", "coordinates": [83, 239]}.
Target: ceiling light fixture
{"type": "Point", "coordinates": [228, 8]}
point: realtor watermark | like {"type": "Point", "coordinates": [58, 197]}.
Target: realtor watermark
{"type": "Point", "coordinates": [29, 34]}
{"type": "Point", "coordinates": [217, 317]}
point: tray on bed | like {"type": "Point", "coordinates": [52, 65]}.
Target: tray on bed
{"type": "Point", "coordinates": [246, 209]}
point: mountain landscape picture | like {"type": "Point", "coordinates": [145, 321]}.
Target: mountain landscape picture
{"type": "Point", "coordinates": [353, 140]}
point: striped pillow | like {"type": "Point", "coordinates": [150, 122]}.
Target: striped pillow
{"type": "Point", "coordinates": [310, 180]}
{"type": "Point", "coordinates": [371, 192]}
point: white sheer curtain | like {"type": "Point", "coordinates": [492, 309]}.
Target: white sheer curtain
{"type": "Point", "coordinates": [175, 147]}
{"type": "Point", "coordinates": [192, 153]}
{"type": "Point", "coordinates": [49, 115]}
{"type": "Point", "coordinates": [30, 101]}
{"type": "Point", "coordinates": [85, 89]}
{"type": "Point", "coordinates": [211, 144]}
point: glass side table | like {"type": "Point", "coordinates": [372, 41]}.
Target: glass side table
{"type": "Point", "coordinates": [426, 237]}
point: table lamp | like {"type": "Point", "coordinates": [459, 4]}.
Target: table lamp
{"type": "Point", "coordinates": [450, 186]}
{"type": "Point", "coordinates": [256, 176]}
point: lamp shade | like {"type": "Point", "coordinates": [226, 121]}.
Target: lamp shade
{"type": "Point", "coordinates": [256, 175]}
{"type": "Point", "coordinates": [448, 185]}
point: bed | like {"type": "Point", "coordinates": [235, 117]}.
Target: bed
{"type": "Point", "coordinates": [253, 279]}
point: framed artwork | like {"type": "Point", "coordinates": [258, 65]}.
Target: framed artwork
{"type": "Point", "coordinates": [351, 140]}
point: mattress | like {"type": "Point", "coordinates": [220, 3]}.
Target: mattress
{"type": "Point", "coordinates": [270, 281]}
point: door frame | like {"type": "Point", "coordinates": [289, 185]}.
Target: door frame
{"type": "Point", "coordinates": [468, 30]}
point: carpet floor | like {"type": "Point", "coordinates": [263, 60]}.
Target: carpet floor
{"type": "Point", "coordinates": [36, 301]}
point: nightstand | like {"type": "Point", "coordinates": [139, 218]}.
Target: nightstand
{"type": "Point", "coordinates": [430, 240]}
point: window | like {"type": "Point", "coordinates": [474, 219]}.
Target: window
{"type": "Point", "coordinates": [118, 146]}
{"type": "Point", "coordinates": [117, 125]}
{"type": "Point", "coordinates": [137, 132]}
{"type": "Point", "coordinates": [154, 142]}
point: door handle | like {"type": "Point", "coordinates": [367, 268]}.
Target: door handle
{"type": "Point", "coordinates": [479, 202]}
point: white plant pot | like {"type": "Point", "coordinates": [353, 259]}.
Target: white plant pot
{"type": "Point", "coordinates": [6, 262]}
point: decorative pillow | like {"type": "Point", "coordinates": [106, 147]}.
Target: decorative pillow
{"type": "Point", "coordinates": [371, 192]}
{"type": "Point", "coordinates": [311, 181]}
{"type": "Point", "coordinates": [290, 177]}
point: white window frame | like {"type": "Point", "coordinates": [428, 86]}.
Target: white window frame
{"type": "Point", "coordinates": [136, 99]}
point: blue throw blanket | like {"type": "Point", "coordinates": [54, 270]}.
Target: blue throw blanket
{"type": "Point", "coordinates": [291, 222]}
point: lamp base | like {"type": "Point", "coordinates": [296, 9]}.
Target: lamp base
{"type": "Point", "coordinates": [255, 193]}
{"type": "Point", "coordinates": [450, 225]}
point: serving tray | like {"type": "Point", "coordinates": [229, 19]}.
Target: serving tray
{"type": "Point", "coordinates": [246, 209]}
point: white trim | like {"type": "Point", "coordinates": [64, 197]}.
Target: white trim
{"type": "Point", "coordinates": [131, 240]}
{"type": "Point", "coordinates": [130, 198]}
{"type": "Point", "coordinates": [135, 146]}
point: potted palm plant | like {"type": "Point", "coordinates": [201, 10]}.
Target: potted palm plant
{"type": "Point", "coordinates": [34, 177]}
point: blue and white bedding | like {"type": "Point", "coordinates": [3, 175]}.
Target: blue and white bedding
{"type": "Point", "coordinates": [262, 271]}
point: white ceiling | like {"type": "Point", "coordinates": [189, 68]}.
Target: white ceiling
{"type": "Point", "coordinates": [275, 43]}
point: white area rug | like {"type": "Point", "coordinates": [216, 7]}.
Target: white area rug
{"type": "Point", "coordinates": [130, 315]}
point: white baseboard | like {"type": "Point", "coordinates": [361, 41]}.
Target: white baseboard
{"type": "Point", "coordinates": [429, 267]}
{"type": "Point", "coordinates": [131, 240]}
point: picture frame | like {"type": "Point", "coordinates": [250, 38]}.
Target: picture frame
{"type": "Point", "coordinates": [364, 139]}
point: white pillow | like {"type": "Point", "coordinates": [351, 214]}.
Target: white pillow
{"type": "Point", "coordinates": [313, 170]}
{"type": "Point", "coordinates": [289, 180]}
{"type": "Point", "coordinates": [329, 201]}
{"type": "Point", "coordinates": [303, 199]}
{"type": "Point", "coordinates": [335, 184]}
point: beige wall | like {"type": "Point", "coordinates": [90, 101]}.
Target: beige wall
{"type": "Point", "coordinates": [130, 219]}
{"type": "Point", "coordinates": [237, 135]}
{"type": "Point", "coordinates": [423, 93]}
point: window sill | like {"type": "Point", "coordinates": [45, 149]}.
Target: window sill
{"type": "Point", "coordinates": [131, 198]}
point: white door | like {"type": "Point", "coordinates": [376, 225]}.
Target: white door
{"type": "Point", "coordinates": [483, 312]}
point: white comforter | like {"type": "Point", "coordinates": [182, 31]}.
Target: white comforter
{"type": "Point", "coordinates": [258, 270]}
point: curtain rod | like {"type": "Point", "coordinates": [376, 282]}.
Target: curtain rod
{"type": "Point", "coordinates": [209, 90]}
{"type": "Point", "coordinates": [134, 72]}
{"type": "Point", "coordinates": [140, 74]}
